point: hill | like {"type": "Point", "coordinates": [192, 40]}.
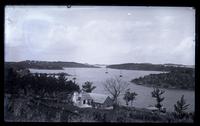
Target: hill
{"type": "Point", "coordinates": [179, 79]}
{"type": "Point", "coordinates": [46, 65]}
{"type": "Point", "coordinates": [148, 67]}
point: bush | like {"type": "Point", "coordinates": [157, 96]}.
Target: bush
{"type": "Point", "coordinates": [180, 108]}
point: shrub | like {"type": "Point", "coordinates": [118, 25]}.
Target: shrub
{"type": "Point", "coordinates": [180, 108]}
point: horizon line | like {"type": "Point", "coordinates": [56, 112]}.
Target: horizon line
{"type": "Point", "coordinates": [105, 63]}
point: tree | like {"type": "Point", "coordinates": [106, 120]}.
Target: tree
{"type": "Point", "coordinates": [115, 86]}
{"type": "Point", "coordinates": [180, 107]}
{"type": "Point", "coordinates": [61, 78]}
{"type": "Point", "coordinates": [11, 81]}
{"type": "Point", "coordinates": [128, 96]}
{"type": "Point", "coordinates": [87, 87]}
{"type": "Point", "coordinates": [71, 86]}
{"type": "Point", "coordinates": [156, 93]}
{"type": "Point", "coordinates": [132, 97]}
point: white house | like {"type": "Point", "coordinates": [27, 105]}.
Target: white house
{"type": "Point", "coordinates": [84, 100]}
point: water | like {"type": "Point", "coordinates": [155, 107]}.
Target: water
{"type": "Point", "coordinates": [143, 99]}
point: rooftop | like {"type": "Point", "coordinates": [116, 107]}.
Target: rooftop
{"type": "Point", "coordinates": [98, 98]}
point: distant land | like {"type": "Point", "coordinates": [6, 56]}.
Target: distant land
{"type": "Point", "coordinates": [46, 65]}
{"type": "Point", "coordinates": [149, 66]}
{"type": "Point", "coordinates": [178, 76]}
{"type": "Point", "coordinates": [127, 66]}
{"type": "Point", "coordinates": [175, 76]}
{"type": "Point", "coordinates": [100, 65]}
{"type": "Point", "coordinates": [176, 79]}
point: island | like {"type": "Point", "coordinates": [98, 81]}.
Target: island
{"type": "Point", "coordinates": [173, 76]}
{"type": "Point", "coordinates": [58, 65]}
{"type": "Point", "coordinates": [176, 79]}
{"type": "Point", "coordinates": [149, 66]}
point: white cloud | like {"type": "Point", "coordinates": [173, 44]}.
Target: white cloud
{"type": "Point", "coordinates": [100, 35]}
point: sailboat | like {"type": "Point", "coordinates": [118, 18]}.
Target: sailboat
{"type": "Point", "coordinates": [120, 75]}
{"type": "Point", "coordinates": [106, 70]}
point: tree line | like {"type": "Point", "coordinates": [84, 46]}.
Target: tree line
{"type": "Point", "coordinates": [147, 67]}
{"type": "Point", "coordinates": [45, 64]}
{"type": "Point", "coordinates": [37, 84]}
{"type": "Point", "coordinates": [180, 79]}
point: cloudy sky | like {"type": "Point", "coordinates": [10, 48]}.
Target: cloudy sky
{"type": "Point", "coordinates": [100, 35]}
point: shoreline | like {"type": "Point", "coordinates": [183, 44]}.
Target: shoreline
{"type": "Point", "coordinates": [169, 88]}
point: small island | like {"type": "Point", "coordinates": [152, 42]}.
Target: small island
{"type": "Point", "coordinates": [175, 79]}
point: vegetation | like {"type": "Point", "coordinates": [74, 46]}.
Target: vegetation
{"type": "Point", "coordinates": [148, 66]}
{"type": "Point", "coordinates": [180, 79]}
{"type": "Point", "coordinates": [33, 111]}
{"type": "Point", "coordinates": [38, 84]}
{"type": "Point", "coordinates": [180, 107]}
{"type": "Point", "coordinates": [45, 65]}
{"type": "Point", "coordinates": [115, 86]}
{"type": "Point", "coordinates": [37, 98]}
{"type": "Point", "coordinates": [156, 93]}
{"type": "Point", "coordinates": [129, 96]}
{"type": "Point", "coordinates": [87, 87]}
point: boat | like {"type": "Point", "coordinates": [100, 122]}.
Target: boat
{"type": "Point", "coordinates": [120, 75]}
{"type": "Point", "coordinates": [106, 70]}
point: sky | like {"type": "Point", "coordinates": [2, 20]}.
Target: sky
{"type": "Point", "coordinates": [100, 34]}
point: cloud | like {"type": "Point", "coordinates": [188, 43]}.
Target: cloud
{"type": "Point", "coordinates": [100, 34]}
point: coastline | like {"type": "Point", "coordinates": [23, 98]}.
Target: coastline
{"type": "Point", "coordinates": [165, 88]}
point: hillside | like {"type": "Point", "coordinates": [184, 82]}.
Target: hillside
{"type": "Point", "coordinates": [147, 66]}
{"type": "Point", "coordinates": [46, 65]}
{"type": "Point", "coordinates": [178, 79]}
{"type": "Point", "coordinates": [32, 110]}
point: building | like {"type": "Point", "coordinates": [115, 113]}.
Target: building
{"type": "Point", "coordinates": [82, 99]}
{"type": "Point", "coordinates": [88, 100]}
{"type": "Point", "coordinates": [101, 101]}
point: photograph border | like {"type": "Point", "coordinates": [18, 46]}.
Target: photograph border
{"type": "Point", "coordinates": [69, 3]}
